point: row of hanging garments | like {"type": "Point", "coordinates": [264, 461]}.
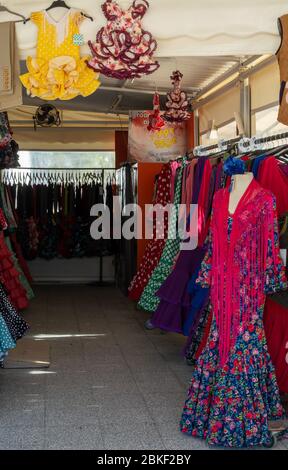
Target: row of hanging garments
{"type": "Point", "coordinates": [53, 211]}
{"type": "Point", "coordinates": [192, 292]}
{"type": "Point", "coordinates": [15, 280]}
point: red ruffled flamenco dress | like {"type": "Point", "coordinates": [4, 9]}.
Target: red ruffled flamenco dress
{"type": "Point", "coordinates": [9, 275]}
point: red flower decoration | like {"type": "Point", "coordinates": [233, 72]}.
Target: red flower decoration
{"type": "Point", "coordinates": [155, 120]}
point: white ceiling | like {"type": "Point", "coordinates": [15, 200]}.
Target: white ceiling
{"type": "Point", "coordinates": [203, 39]}
{"type": "Point", "coordinates": [182, 27]}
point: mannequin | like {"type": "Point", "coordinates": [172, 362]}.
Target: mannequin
{"type": "Point", "coordinates": [239, 185]}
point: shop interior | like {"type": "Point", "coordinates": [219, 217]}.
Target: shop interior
{"type": "Point", "coordinates": [99, 338]}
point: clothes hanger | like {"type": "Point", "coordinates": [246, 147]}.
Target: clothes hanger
{"type": "Point", "coordinates": [61, 4]}
{"type": "Point", "coordinates": [6, 9]}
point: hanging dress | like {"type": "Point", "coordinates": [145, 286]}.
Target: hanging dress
{"type": "Point", "coordinates": [9, 274]}
{"type": "Point", "coordinates": [6, 340]}
{"type": "Point", "coordinates": [58, 71]}
{"type": "Point", "coordinates": [149, 300]}
{"type": "Point", "coordinates": [154, 248]}
{"type": "Point", "coordinates": [123, 50]}
{"type": "Point", "coordinates": [175, 299]}
{"type": "Point", "coordinates": [234, 392]}
{"type": "Point", "coordinates": [16, 324]}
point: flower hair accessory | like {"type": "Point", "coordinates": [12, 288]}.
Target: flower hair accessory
{"type": "Point", "coordinates": [234, 166]}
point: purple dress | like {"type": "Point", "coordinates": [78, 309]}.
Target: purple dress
{"type": "Point", "coordinates": [175, 305]}
{"type": "Point", "coordinates": [175, 302]}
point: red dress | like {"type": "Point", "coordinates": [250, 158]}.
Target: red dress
{"type": "Point", "coordinates": [9, 275]}
{"type": "Point", "coordinates": [276, 331]}
{"type": "Point", "coordinates": [155, 246]}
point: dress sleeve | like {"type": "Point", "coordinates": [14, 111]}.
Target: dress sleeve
{"type": "Point", "coordinates": [37, 17]}
{"type": "Point", "coordinates": [275, 278]}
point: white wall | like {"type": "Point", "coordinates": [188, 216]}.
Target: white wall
{"type": "Point", "coordinates": [72, 271]}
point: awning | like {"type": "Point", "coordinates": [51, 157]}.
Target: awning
{"type": "Point", "coordinates": [182, 27]}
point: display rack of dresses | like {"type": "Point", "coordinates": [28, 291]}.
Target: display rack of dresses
{"type": "Point", "coordinates": [154, 248]}
{"type": "Point", "coordinates": [149, 300]}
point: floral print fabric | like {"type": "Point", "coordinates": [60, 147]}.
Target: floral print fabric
{"type": "Point", "coordinates": [123, 50]}
{"type": "Point", "coordinates": [230, 405]}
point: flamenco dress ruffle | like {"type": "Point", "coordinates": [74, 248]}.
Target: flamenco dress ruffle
{"type": "Point", "coordinates": [149, 299]}
{"type": "Point", "coordinates": [22, 277]}
{"type": "Point", "coordinates": [10, 278]}
{"type": "Point", "coordinates": [175, 299]}
{"type": "Point", "coordinates": [155, 247]}
{"type": "Point", "coordinates": [6, 340]}
{"type": "Point", "coordinates": [230, 406]}
{"type": "Point", "coordinates": [15, 323]}
{"type": "Point", "coordinates": [62, 77]}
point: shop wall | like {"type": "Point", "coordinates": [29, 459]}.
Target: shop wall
{"type": "Point", "coordinates": [65, 138]}
{"type": "Point", "coordinates": [146, 178]}
{"type": "Point", "coordinates": [265, 86]}
{"type": "Point", "coordinates": [220, 109]}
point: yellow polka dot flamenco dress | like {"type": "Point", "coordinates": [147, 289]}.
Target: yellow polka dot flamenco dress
{"type": "Point", "coordinates": [58, 71]}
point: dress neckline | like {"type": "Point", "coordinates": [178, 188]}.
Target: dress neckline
{"type": "Point", "coordinates": [49, 17]}
{"type": "Point", "coordinates": [240, 200]}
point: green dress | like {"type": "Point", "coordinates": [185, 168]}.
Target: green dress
{"type": "Point", "coordinates": [149, 300]}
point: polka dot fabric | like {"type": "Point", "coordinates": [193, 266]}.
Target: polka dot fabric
{"type": "Point", "coordinates": [14, 322]}
{"type": "Point", "coordinates": [58, 72]}
{"type": "Point", "coordinates": [149, 300]}
{"type": "Point", "coordinates": [155, 246]}
{"type": "Point", "coordinates": [6, 340]}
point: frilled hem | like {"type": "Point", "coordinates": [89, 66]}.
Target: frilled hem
{"type": "Point", "coordinates": [149, 300]}
{"type": "Point", "coordinates": [170, 317]}
{"type": "Point", "coordinates": [230, 407]}
{"type": "Point", "coordinates": [62, 77]}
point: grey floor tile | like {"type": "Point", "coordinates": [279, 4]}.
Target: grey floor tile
{"type": "Point", "coordinates": [157, 381]}
{"type": "Point", "coordinates": [134, 438]}
{"type": "Point", "coordinates": [116, 414]}
{"type": "Point", "coordinates": [122, 389]}
{"type": "Point", "coordinates": [71, 413]}
{"type": "Point", "coordinates": [26, 412]}
{"type": "Point", "coordinates": [21, 438]}
{"type": "Point", "coordinates": [184, 443]}
{"type": "Point", "coordinates": [74, 437]}
{"type": "Point", "coordinates": [113, 399]}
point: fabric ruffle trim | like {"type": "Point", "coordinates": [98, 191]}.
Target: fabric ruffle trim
{"type": "Point", "coordinates": [62, 77]}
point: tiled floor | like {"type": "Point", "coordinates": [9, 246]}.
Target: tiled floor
{"type": "Point", "coordinates": [122, 388]}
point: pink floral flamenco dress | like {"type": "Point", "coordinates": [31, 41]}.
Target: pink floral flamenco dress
{"type": "Point", "coordinates": [233, 392]}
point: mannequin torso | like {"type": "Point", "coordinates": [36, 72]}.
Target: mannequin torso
{"type": "Point", "coordinates": [239, 184]}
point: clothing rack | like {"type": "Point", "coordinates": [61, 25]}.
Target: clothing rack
{"type": "Point", "coordinates": [255, 143]}
{"type": "Point", "coordinates": [218, 147]}
{"type": "Point", "coordinates": [12, 176]}
{"type": "Point", "coordinates": [242, 144]}
{"type": "Point", "coordinates": [67, 175]}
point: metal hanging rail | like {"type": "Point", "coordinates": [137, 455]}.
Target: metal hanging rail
{"type": "Point", "coordinates": [219, 146]}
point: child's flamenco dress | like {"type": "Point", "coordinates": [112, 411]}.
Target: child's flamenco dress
{"type": "Point", "coordinates": [123, 50]}
{"type": "Point", "coordinates": [234, 392]}
{"type": "Point", "coordinates": [58, 71]}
